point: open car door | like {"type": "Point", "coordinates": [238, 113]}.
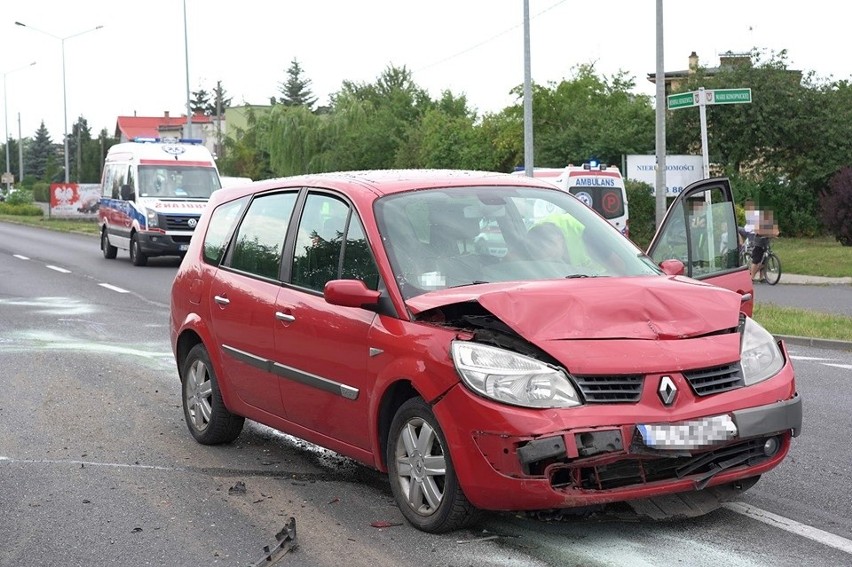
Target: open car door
{"type": "Point", "coordinates": [700, 230]}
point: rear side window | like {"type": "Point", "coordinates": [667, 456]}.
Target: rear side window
{"type": "Point", "coordinates": [220, 228]}
{"type": "Point", "coordinates": [260, 237]}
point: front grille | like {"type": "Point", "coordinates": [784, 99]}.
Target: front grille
{"type": "Point", "coordinates": [180, 222]}
{"type": "Point", "coordinates": [638, 470]}
{"type": "Point", "coordinates": [608, 389]}
{"type": "Point", "coordinates": [716, 379]}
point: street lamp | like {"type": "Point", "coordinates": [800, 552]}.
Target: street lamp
{"type": "Point", "coordinates": [6, 115]}
{"type": "Point", "coordinates": [64, 94]}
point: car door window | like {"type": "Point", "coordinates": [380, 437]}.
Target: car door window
{"type": "Point", "coordinates": [330, 245]}
{"type": "Point", "coordinates": [700, 232]}
{"type": "Point", "coordinates": [260, 237]}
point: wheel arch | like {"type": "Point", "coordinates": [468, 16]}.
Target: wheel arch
{"type": "Point", "coordinates": [393, 397]}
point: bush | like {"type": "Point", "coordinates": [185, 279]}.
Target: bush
{"type": "Point", "coordinates": [642, 207]}
{"type": "Point", "coordinates": [41, 192]}
{"type": "Point", "coordinates": [836, 205]}
{"type": "Point", "coordinates": [20, 209]}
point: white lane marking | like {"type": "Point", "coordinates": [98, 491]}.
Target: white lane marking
{"type": "Point", "coordinates": [808, 358]}
{"type": "Point", "coordinates": [19, 257]}
{"type": "Point", "coordinates": [86, 463]}
{"type": "Point", "coordinates": [815, 534]}
{"type": "Point", "coordinates": [58, 269]}
{"type": "Point", "coordinates": [113, 288]}
{"type": "Point", "coordinates": [844, 366]}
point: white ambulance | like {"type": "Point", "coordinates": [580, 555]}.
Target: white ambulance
{"type": "Point", "coordinates": [599, 186]}
{"type": "Point", "coordinates": [153, 192]}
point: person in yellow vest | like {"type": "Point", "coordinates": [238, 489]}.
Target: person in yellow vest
{"type": "Point", "coordinates": [576, 252]}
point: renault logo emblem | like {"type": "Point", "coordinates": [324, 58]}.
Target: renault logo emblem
{"type": "Point", "coordinates": [667, 390]}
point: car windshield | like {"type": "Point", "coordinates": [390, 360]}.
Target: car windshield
{"type": "Point", "coordinates": [442, 238]}
{"type": "Point", "coordinates": [176, 181]}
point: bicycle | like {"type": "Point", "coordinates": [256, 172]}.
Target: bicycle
{"type": "Point", "coordinates": [770, 268]}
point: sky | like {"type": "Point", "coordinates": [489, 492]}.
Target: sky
{"type": "Point", "coordinates": [137, 64]}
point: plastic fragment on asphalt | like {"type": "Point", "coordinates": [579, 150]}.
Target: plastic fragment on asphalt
{"type": "Point", "coordinates": [286, 541]}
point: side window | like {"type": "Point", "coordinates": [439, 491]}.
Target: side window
{"type": "Point", "coordinates": [129, 180]}
{"type": "Point", "coordinates": [358, 263]}
{"type": "Point", "coordinates": [221, 225]}
{"type": "Point", "coordinates": [260, 237]}
{"type": "Point", "coordinates": [319, 242]}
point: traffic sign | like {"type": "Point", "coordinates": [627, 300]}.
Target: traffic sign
{"type": "Point", "coordinates": [682, 100]}
{"type": "Point", "coordinates": [730, 96]}
{"type": "Point", "coordinates": [7, 178]}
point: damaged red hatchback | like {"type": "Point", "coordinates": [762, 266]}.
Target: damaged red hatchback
{"type": "Point", "coordinates": [487, 340]}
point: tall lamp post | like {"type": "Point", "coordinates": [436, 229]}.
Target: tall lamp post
{"type": "Point", "coordinates": [6, 116]}
{"type": "Point", "coordinates": [64, 93]}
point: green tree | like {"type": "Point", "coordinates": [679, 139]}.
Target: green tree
{"type": "Point", "coordinates": [200, 103]}
{"type": "Point", "coordinates": [588, 116]}
{"type": "Point", "coordinates": [296, 89]}
{"type": "Point", "coordinates": [41, 158]}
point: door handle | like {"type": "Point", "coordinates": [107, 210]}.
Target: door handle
{"type": "Point", "coordinates": [745, 297]}
{"type": "Point", "coordinates": [284, 317]}
{"type": "Point", "coordinates": [221, 300]}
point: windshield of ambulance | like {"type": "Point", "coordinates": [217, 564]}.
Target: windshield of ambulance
{"type": "Point", "coordinates": [177, 181]}
{"type": "Point", "coordinates": [442, 238]}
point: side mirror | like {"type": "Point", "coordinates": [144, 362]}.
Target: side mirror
{"type": "Point", "coordinates": [350, 293]}
{"type": "Point", "coordinates": [672, 267]}
{"type": "Point", "coordinates": [127, 193]}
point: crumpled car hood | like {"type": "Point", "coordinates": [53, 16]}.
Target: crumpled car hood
{"type": "Point", "coordinates": [652, 307]}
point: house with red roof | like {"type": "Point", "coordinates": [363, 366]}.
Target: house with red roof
{"type": "Point", "coordinates": [206, 128]}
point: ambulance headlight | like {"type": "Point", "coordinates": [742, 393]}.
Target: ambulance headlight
{"type": "Point", "coordinates": [153, 218]}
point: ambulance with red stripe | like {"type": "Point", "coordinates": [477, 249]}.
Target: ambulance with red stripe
{"type": "Point", "coordinates": [153, 191]}
{"type": "Point", "coordinates": [599, 186]}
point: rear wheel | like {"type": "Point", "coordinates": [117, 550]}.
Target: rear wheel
{"type": "Point", "coordinates": [422, 476]}
{"type": "Point", "coordinates": [136, 255]}
{"type": "Point", "coordinates": [108, 249]}
{"type": "Point", "coordinates": [771, 269]}
{"type": "Point", "coordinates": [205, 413]}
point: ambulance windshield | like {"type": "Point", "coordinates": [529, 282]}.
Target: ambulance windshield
{"type": "Point", "coordinates": [177, 182]}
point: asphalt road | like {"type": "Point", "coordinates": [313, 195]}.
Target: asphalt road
{"type": "Point", "coordinates": [97, 468]}
{"type": "Point", "coordinates": [835, 299]}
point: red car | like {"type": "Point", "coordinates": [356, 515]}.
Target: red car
{"type": "Point", "coordinates": [486, 339]}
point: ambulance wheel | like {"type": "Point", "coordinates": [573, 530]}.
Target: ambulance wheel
{"type": "Point", "coordinates": [136, 255]}
{"type": "Point", "coordinates": [108, 249]}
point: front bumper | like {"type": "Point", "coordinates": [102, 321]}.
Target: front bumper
{"type": "Point", "coordinates": [592, 464]}
{"type": "Point", "coordinates": [160, 244]}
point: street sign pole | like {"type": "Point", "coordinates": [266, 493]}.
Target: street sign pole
{"type": "Point", "coordinates": [701, 98]}
{"type": "Point", "coordinates": [702, 112]}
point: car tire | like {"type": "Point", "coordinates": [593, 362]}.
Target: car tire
{"type": "Point", "coordinates": [108, 249]}
{"type": "Point", "coordinates": [422, 476]}
{"type": "Point", "coordinates": [209, 421]}
{"type": "Point", "coordinates": [136, 255]}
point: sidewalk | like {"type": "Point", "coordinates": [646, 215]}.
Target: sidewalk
{"type": "Point", "coordinates": [813, 280]}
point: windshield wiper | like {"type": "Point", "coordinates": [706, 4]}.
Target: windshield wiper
{"type": "Point", "coordinates": [474, 282]}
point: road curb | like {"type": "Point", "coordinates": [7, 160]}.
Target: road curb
{"type": "Point", "coordinates": [818, 343]}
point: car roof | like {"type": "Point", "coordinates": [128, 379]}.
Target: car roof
{"type": "Point", "coordinates": [382, 182]}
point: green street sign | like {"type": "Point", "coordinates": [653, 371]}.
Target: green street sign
{"type": "Point", "coordinates": [681, 100]}
{"type": "Point", "coordinates": [730, 96]}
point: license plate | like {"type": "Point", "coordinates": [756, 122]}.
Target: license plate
{"type": "Point", "coordinates": [183, 247]}
{"type": "Point", "coordinates": [693, 434]}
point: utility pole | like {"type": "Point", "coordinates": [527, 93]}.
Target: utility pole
{"type": "Point", "coordinates": [529, 160]}
{"type": "Point", "coordinates": [660, 80]}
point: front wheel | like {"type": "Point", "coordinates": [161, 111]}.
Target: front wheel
{"type": "Point", "coordinates": [108, 249]}
{"type": "Point", "coordinates": [136, 255]}
{"type": "Point", "coordinates": [205, 413]}
{"type": "Point", "coordinates": [422, 476]}
{"type": "Point", "coordinates": [771, 268]}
